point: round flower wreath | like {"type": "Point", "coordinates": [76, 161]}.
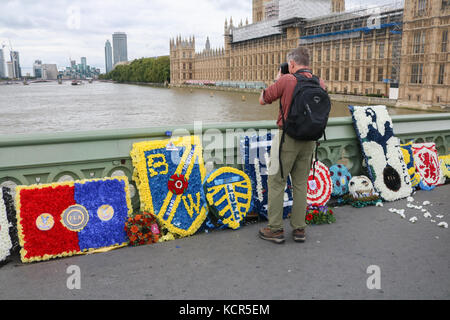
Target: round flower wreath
{"type": "Point", "coordinates": [142, 229]}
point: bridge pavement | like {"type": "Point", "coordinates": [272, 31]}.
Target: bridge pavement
{"type": "Point", "coordinates": [413, 260]}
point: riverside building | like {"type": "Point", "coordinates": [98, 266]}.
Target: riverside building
{"type": "Point", "coordinates": [2, 65]}
{"type": "Point", "coordinates": [108, 56]}
{"type": "Point", "coordinates": [120, 47]}
{"type": "Point", "coordinates": [398, 50]}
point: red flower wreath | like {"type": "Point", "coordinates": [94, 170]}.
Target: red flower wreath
{"type": "Point", "coordinates": [142, 229]}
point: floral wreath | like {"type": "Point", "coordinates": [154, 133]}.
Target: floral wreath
{"type": "Point", "coordinates": [142, 229]}
{"type": "Point", "coordinates": [41, 231]}
{"type": "Point", "coordinates": [171, 189]}
{"type": "Point", "coordinates": [5, 239]}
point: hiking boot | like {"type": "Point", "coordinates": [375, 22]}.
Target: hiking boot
{"type": "Point", "coordinates": [299, 235]}
{"type": "Point", "coordinates": [267, 234]}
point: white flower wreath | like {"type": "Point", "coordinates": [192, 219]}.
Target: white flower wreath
{"type": "Point", "coordinates": [377, 159]}
{"type": "Point", "coordinates": [5, 240]}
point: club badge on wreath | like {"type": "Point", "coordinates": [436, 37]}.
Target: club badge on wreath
{"type": "Point", "coordinates": [169, 175]}
{"type": "Point", "coordinates": [67, 218]}
{"type": "Point", "coordinates": [229, 194]}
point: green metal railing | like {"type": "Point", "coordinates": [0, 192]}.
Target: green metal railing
{"type": "Point", "coordinates": [45, 158]}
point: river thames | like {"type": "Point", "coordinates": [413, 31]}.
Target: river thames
{"type": "Point", "coordinates": [50, 107]}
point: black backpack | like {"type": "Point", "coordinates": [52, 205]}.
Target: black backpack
{"type": "Point", "coordinates": [308, 114]}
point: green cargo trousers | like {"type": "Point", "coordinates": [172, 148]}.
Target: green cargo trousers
{"type": "Point", "coordinates": [296, 158]}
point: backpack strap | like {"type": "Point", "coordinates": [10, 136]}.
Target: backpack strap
{"type": "Point", "coordinates": [281, 140]}
{"type": "Point", "coordinates": [301, 77]}
{"type": "Point", "coordinates": [304, 70]}
{"type": "Point", "coordinates": [315, 159]}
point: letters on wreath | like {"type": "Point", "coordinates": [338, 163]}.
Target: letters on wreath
{"type": "Point", "coordinates": [169, 175]}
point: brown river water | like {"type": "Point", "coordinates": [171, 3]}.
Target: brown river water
{"type": "Point", "coordinates": [50, 107]}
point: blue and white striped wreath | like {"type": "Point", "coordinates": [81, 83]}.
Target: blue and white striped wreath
{"type": "Point", "coordinates": [255, 153]}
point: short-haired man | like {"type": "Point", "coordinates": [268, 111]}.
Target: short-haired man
{"type": "Point", "coordinates": [296, 156]}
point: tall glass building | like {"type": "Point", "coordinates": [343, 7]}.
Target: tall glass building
{"type": "Point", "coordinates": [120, 47]}
{"type": "Point", "coordinates": [37, 69]}
{"type": "Point", "coordinates": [17, 72]}
{"type": "Point", "coordinates": [108, 56]}
{"type": "Point", "coordinates": [2, 65]}
{"type": "Point", "coordinates": [83, 66]}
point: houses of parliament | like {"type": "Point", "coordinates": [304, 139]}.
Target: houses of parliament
{"type": "Point", "coordinates": [398, 50]}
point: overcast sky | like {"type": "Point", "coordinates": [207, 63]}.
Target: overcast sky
{"type": "Point", "coordinates": [55, 30]}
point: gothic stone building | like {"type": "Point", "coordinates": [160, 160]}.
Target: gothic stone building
{"type": "Point", "coordinates": [425, 64]}
{"type": "Point", "coordinates": [398, 50]}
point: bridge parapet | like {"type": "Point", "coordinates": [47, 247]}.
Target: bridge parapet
{"type": "Point", "coordinates": [46, 158]}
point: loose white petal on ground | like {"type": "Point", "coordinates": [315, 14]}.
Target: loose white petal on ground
{"type": "Point", "coordinates": [437, 237]}
{"type": "Point", "coordinates": [400, 212]}
{"type": "Point", "coordinates": [432, 220]}
{"type": "Point", "coordinates": [410, 205]}
{"type": "Point", "coordinates": [424, 210]}
{"type": "Point", "coordinates": [425, 203]}
{"type": "Point", "coordinates": [443, 224]}
{"type": "Point", "coordinates": [410, 199]}
{"type": "Point", "coordinates": [379, 204]}
{"type": "Point", "coordinates": [413, 219]}
{"type": "Point", "coordinates": [440, 216]}
{"type": "Point", "coordinates": [427, 215]}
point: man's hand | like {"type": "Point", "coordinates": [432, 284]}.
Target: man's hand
{"type": "Point", "coordinates": [261, 98]}
{"type": "Point", "coordinates": [278, 75]}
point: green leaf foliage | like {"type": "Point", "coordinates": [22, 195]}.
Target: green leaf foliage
{"type": "Point", "coordinates": [149, 70]}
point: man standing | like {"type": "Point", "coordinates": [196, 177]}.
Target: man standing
{"type": "Point", "coordinates": [295, 157]}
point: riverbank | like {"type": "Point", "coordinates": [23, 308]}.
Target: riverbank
{"type": "Point", "coordinates": [150, 84]}
{"type": "Point", "coordinates": [345, 98]}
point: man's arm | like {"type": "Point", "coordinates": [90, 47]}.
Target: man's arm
{"type": "Point", "coordinates": [274, 91]}
{"type": "Point", "coordinates": [261, 98]}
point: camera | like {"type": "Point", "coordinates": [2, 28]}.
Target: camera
{"type": "Point", "coordinates": [284, 68]}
